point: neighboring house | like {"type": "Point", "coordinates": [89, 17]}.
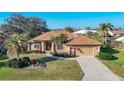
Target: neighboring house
{"type": "Point", "coordinates": [76, 45]}
{"type": "Point", "coordinates": [80, 32]}
{"type": "Point", "coordinates": [2, 44]}
{"type": "Point", "coordinates": [116, 33]}
{"type": "Point", "coordinates": [121, 39]}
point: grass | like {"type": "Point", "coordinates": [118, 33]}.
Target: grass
{"type": "Point", "coordinates": [56, 70]}
{"type": "Point", "coordinates": [116, 65]}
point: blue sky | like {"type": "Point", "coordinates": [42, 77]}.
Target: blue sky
{"type": "Point", "coordinates": [74, 19]}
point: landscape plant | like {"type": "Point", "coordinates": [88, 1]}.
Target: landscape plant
{"type": "Point", "coordinates": [15, 45]}
{"type": "Point", "coordinates": [104, 28]}
{"type": "Point", "coordinates": [58, 40]}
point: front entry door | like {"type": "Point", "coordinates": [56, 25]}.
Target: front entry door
{"type": "Point", "coordinates": [48, 45]}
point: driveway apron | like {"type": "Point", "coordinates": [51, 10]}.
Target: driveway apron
{"type": "Point", "coordinates": [95, 70]}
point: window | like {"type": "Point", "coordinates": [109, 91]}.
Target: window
{"type": "Point", "coordinates": [60, 47]}
{"type": "Point", "coordinates": [37, 45]}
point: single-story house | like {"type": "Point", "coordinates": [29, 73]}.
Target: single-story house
{"type": "Point", "coordinates": [116, 33]}
{"type": "Point", "coordinates": [76, 45]}
{"type": "Point", "coordinates": [121, 39]}
{"type": "Point", "coordinates": [82, 32]}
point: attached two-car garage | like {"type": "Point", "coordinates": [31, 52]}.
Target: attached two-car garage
{"type": "Point", "coordinates": [83, 45]}
{"type": "Point", "coordinates": [86, 50]}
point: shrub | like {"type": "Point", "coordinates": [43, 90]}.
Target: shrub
{"type": "Point", "coordinates": [63, 54]}
{"type": "Point", "coordinates": [26, 59]}
{"type": "Point", "coordinates": [35, 51]}
{"type": "Point", "coordinates": [8, 64]}
{"type": "Point", "coordinates": [106, 56]}
{"type": "Point", "coordinates": [108, 50]}
{"type": "Point", "coordinates": [2, 57]}
{"type": "Point", "coordinates": [18, 63]}
{"type": "Point", "coordinates": [14, 63]}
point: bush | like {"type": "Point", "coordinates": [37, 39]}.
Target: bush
{"type": "Point", "coordinates": [18, 63]}
{"type": "Point", "coordinates": [106, 56]}
{"type": "Point", "coordinates": [108, 50]}
{"type": "Point", "coordinates": [8, 64]}
{"type": "Point", "coordinates": [2, 57]}
{"type": "Point", "coordinates": [26, 59]}
{"type": "Point", "coordinates": [14, 63]}
{"type": "Point", "coordinates": [34, 51]}
{"type": "Point", "coordinates": [63, 54]}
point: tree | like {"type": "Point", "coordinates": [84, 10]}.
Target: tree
{"type": "Point", "coordinates": [88, 28]}
{"type": "Point", "coordinates": [69, 29]}
{"type": "Point", "coordinates": [94, 35]}
{"type": "Point", "coordinates": [15, 45]}
{"type": "Point", "coordinates": [58, 40]}
{"type": "Point", "coordinates": [104, 27]}
{"type": "Point", "coordinates": [19, 24]}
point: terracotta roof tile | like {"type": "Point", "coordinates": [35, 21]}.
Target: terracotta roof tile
{"type": "Point", "coordinates": [48, 35]}
{"type": "Point", "coordinates": [118, 32]}
{"type": "Point", "coordinates": [83, 40]}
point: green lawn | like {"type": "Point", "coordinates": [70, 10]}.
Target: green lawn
{"type": "Point", "coordinates": [116, 65]}
{"type": "Point", "coordinates": [56, 70]}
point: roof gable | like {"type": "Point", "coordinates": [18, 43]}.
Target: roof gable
{"type": "Point", "coordinates": [83, 40]}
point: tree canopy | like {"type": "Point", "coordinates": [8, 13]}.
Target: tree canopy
{"type": "Point", "coordinates": [18, 23]}
{"type": "Point", "coordinates": [69, 29]}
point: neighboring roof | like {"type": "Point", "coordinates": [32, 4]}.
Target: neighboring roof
{"type": "Point", "coordinates": [84, 31]}
{"type": "Point", "coordinates": [48, 35]}
{"type": "Point", "coordinates": [2, 39]}
{"type": "Point", "coordinates": [120, 39]}
{"type": "Point", "coordinates": [83, 40]}
{"type": "Point", "coordinates": [116, 32]}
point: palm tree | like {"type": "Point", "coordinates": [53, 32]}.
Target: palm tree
{"type": "Point", "coordinates": [15, 45]}
{"type": "Point", "coordinates": [104, 27]}
{"type": "Point", "coordinates": [58, 40]}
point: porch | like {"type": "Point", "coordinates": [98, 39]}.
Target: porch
{"type": "Point", "coordinates": [40, 46]}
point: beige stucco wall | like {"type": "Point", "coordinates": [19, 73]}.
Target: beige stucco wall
{"type": "Point", "coordinates": [65, 49]}
{"type": "Point", "coordinates": [80, 50]}
{"type": "Point", "coordinates": [33, 47]}
{"type": "Point", "coordinates": [87, 50]}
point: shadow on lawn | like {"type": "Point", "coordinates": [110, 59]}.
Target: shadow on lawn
{"type": "Point", "coordinates": [3, 57]}
{"type": "Point", "coordinates": [109, 50]}
{"type": "Point", "coordinates": [48, 59]}
{"type": "Point", "coordinates": [2, 64]}
{"type": "Point", "coordinates": [114, 58]}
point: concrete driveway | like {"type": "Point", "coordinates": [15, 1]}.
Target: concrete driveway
{"type": "Point", "coordinates": [94, 70]}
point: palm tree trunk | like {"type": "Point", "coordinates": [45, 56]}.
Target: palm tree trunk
{"type": "Point", "coordinates": [18, 56]}
{"type": "Point", "coordinates": [55, 48]}
{"type": "Point", "coordinates": [105, 38]}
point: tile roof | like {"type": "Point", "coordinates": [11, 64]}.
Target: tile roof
{"type": "Point", "coordinates": [83, 40]}
{"type": "Point", "coordinates": [118, 32]}
{"type": "Point", "coordinates": [48, 35]}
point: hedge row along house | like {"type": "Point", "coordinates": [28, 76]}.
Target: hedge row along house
{"type": "Point", "coordinates": [76, 45]}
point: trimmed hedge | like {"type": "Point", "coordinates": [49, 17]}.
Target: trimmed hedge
{"type": "Point", "coordinates": [63, 54]}
{"type": "Point", "coordinates": [106, 56]}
